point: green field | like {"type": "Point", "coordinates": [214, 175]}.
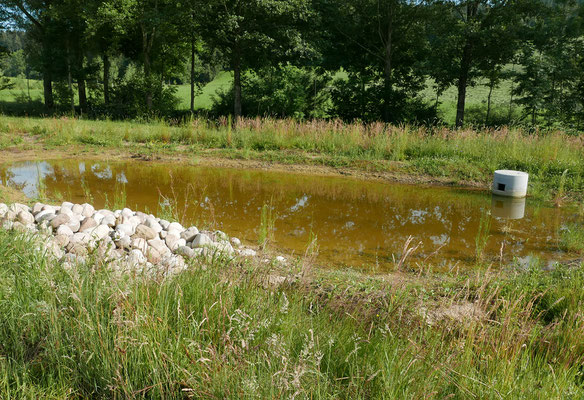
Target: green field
{"type": "Point", "coordinates": [476, 95]}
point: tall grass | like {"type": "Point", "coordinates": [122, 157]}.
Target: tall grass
{"type": "Point", "coordinates": [483, 235]}
{"type": "Point", "coordinates": [215, 331]}
{"type": "Point", "coordinates": [463, 154]}
{"type": "Point", "coordinates": [267, 224]}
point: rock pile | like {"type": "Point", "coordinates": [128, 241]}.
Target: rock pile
{"type": "Point", "coordinates": [126, 239]}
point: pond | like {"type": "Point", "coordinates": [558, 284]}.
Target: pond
{"type": "Point", "coordinates": [362, 224]}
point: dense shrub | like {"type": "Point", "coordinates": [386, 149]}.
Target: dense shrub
{"type": "Point", "coordinates": [128, 100]}
{"type": "Point", "coordinates": [285, 91]}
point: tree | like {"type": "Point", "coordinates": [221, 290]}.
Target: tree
{"type": "Point", "coordinates": [35, 16]}
{"type": "Point", "coordinates": [5, 83]}
{"type": "Point", "coordinates": [475, 38]}
{"type": "Point", "coordinates": [255, 33]}
{"type": "Point", "coordinates": [381, 42]}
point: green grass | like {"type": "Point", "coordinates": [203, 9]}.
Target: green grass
{"type": "Point", "coordinates": [476, 96]}
{"type": "Point", "coordinates": [554, 160]}
{"type": "Point", "coordinates": [203, 99]}
{"type": "Point", "coordinates": [216, 331]}
{"type": "Point", "coordinates": [572, 238]}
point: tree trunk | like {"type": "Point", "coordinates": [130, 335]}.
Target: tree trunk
{"type": "Point", "coordinates": [237, 85]}
{"type": "Point", "coordinates": [48, 90]}
{"type": "Point", "coordinates": [462, 84]}
{"type": "Point", "coordinates": [70, 79]}
{"type": "Point", "coordinates": [81, 91]}
{"type": "Point", "coordinates": [146, 47]}
{"type": "Point", "coordinates": [491, 86]}
{"type": "Point", "coordinates": [465, 63]}
{"type": "Point", "coordinates": [106, 73]}
{"type": "Point", "coordinates": [387, 70]}
{"type": "Point", "coordinates": [82, 95]}
{"type": "Point", "coordinates": [192, 75]}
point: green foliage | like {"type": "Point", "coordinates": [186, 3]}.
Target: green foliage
{"type": "Point", "coordinates": [359, 98]}
{"type": "Point", "coordinates": [128, 99]}
{"type": "Point", "coordinates": [285, 91]}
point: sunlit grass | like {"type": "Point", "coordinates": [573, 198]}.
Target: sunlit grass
{"type": "Point", "coordinates": [554, 160]}
{"type": "Point", "coordinates": [218, 331]}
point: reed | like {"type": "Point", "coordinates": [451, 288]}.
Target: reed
{"type": "Point", "coordinates": [483, 235]}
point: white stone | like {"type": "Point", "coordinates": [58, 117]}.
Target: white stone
{"type": "Point", "coordinates": [171, 240]}
{"type": "Point", "coordinates": [109, 220]}
{"type": "Point", "coordinates": [139, 244]}
{"type": "Point", "coordinates": [45, 215]}
{"type": "Point", "coordinates": [247, 253]}
{"type": "Point", "coordinates": [99, 232]}
{"type": "Point", "coordinates": [98, 217]}
{"type": "Point", "coordinates": [159, 246]}
{"type": "Point", "coordinates": [151, 223]}
{"type": "Point", "coordinates": [64, 230]}
{"type": "Point", "coordinates": [74, 224]}
{"type": "Point", "coordinates": [87, 210]}
{"type": "Point", "coordinates": [36, 208]}
{"type": "Point", "coordinates": [175, 226]}
{"type": "Point", "coordinates": [136, 258]}
{"type": "Point", "coordinates": [164, 223]}
{"type": "Point", "coordinates": [235, 241]}
{"type": "Point", "coordinates": [124, 242]}
{"type": "Point", "coordinates": [186, 252]}
{"type": "Point", "coordinates": [126, 229]}
{"type": "Point", "coordinates": [190, 233]}
{"type": "Point", "coordinates": [17, 207]}
{"type": "Point", "coordinates": [26, 218]}
{"type": "Point", "coordinates": [201, 240]}
{"type": "Point", "coordinates": [67, 205]}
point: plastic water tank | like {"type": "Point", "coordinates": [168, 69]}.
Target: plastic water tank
{"type": "Point", "coordinates": [507, 207]}
{"type": "Point", "coordinates": [510, 183]}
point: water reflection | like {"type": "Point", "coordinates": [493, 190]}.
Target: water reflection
{"type": "Point", "coordinates": [507, 207]}
{"type": "Point", "coordinates": [357, 223]}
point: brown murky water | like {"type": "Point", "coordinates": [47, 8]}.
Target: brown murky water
{"type": "Point", "coordinates": [358, 223]}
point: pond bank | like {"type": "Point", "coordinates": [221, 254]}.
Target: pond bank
{"type": "Point", "coordinates": [436, 155]}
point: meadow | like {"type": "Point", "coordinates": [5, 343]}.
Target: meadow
{"type": "Point", "coordinates": [227, 329]}
{"type": "Point", "coordinates": [24, 92]}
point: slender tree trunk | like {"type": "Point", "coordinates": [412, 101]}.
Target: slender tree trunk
{"type": "Point", "coordinates": [387, 70]}
{"type": "Point", "coordinates": [48, 90]}
{"type": "Point", "coordinates": [491, 86]}
{"type": "Point", "coordinates": [70, 79]}
{"type": "Point", "coordinates": [81, 89]}
{"type": "Point", "coordinates": [511, 94]}
{"type": "Point", "coordinates": [106, 74]}
{"type": "Point", "coordinates": [147, 41]}
{"type": "Point", "coordinates": [192, 75]}
{"type": "Point", "coordinates": [465, 63]}
{"type": "Point", "coordinates": [237, 84]}
{"type": "Point", "coordinates": [462, 84]}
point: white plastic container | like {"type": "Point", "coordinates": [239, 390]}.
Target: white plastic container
{"type": "Point", "coordinates": [510, 183]}
{"type": "Point", "coordinates": [508, 207]}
